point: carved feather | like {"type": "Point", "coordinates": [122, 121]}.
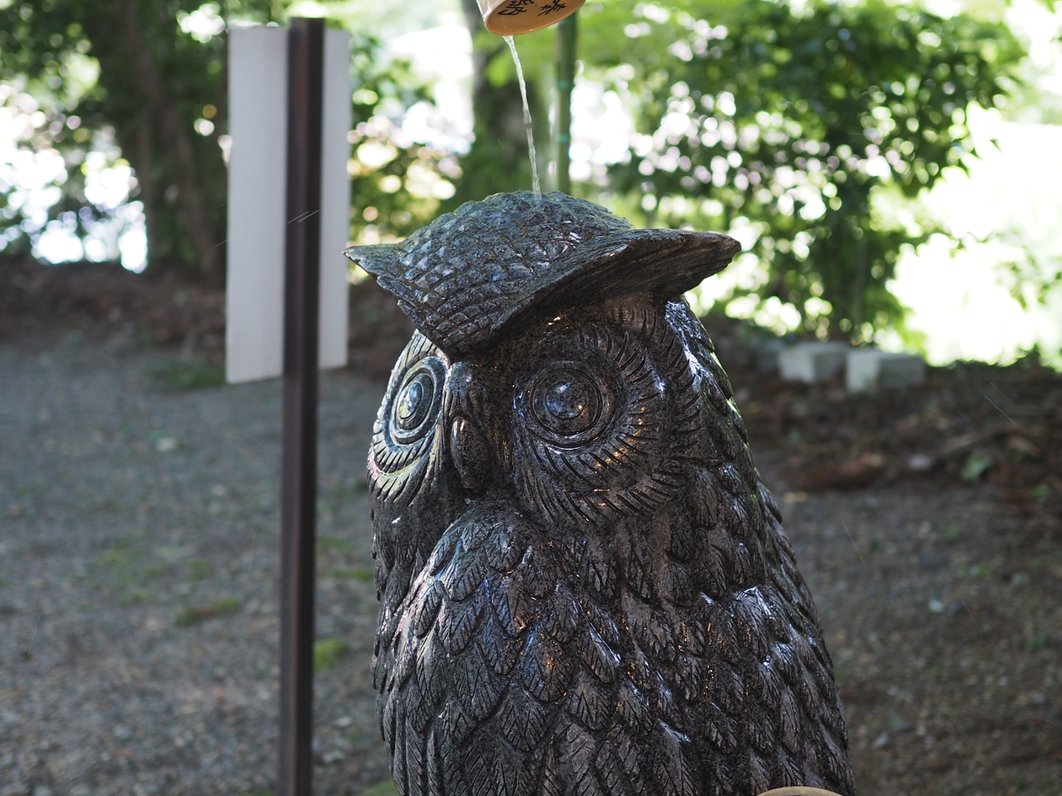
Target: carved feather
{"type": "Point", "coordinates": [593, 593]}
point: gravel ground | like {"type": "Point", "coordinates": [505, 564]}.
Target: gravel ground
{"type": "Point", "coordinates": [138, 573]}
{"type": "Point", "coordinates": [138, 596]}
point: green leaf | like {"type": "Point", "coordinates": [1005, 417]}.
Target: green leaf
{"type": "Point", "coordinates": [976, 465]}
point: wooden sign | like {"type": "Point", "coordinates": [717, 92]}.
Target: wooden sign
{"type": "Point", "coordinates": [257, 222]}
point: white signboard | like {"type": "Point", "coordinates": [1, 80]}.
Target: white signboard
{"type": "Point", "coordinates": [258, 108]}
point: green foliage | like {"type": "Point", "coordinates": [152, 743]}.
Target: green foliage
{"type": "Point", "coordinates": [199, 569]}
{"type": "Point", "coordinates": [328, 652]}
{"type": "Point", "coordinates": [1038, 642]}
{"type": "Point", "coordinates": [130, 572]}
{"type": "Point", "coordinates": [784, 121]}
{"type": "Point", "coordinates": [796, 127]}
{"type": "Point", "coordinates": [156, 98]}
{"type": "Point", "coordinates": [975, 466]}
{"type": "Point", "coordinates": [498, 159]}
{"type": "Point", "coordinates": [135, 80]}
{"type": "Point", "coordinates": [181, 373]}
{"type": "Point", "coordinates": [396, 182]}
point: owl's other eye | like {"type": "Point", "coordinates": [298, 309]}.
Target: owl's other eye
{"type": "Point", "coordinates": [405, 433]}
{"type": "Point", "coordinates": [591, 439]}
{"type": "Point", "coordinates": [417, 403]}
{"type": "Point", "coordinates": [570, 405]}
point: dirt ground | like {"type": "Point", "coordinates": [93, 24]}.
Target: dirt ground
{"type": "Point", "coordinates": [138, 552]}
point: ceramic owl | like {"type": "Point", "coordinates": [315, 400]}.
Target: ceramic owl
{"type": "Point", "coordinates": [585, 587]}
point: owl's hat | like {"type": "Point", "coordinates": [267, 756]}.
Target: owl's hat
{"type": "Point", "coordinates": [497, 264]}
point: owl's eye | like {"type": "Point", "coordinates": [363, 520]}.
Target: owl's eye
{"type": "Point", "coordinates": [414, 408]}
{"type": "Point", "coordinates": [592, 438]}
{"type": "Point", "coordinates": [570, 406]}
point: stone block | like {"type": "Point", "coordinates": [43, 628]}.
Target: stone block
{"type": "Point", "coordinates": [767, 354]}
{"type": "Point", "coordinates": [812, 362]}
{"type": "Point", "coordinates": [868, 369]}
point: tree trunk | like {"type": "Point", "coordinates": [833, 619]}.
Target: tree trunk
{"type": "Point", "coordinates": [176, 138]}
{"type": "Point", "coordinates": [567, 35]}
{"type": "Point", "coordinates": [498, 159]}
{"type": "Point", "coordinates": [145, 177]}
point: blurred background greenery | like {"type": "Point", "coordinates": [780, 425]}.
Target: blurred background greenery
{"type": "Point", "coordinates": [891, 168]}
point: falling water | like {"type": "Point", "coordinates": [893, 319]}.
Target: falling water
{"type": "Point", "coordinates": [527, 115]}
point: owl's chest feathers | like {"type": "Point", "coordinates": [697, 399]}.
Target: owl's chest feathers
{"type": "Point", "coordinates": [633, 597]}
{"type": "Point", "coordinates": [562, 633]}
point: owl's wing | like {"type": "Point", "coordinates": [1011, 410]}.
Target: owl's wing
{"type": "Point", "coordinates": [770, 672]}
{"type": "Point", "coordinates": [497, 680]}
{"type": "Point", "coordinates": [768, 715]}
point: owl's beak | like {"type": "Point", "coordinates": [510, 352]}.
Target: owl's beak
{"type": "Point", "coordinates": [470, 454]}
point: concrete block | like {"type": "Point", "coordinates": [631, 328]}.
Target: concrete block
{"type": "Point", "coordinates": [767, 354]}
{"type": "Point", "coordinates": [812, 362]}
{"type": "Point", "coordinates": [868, 369]}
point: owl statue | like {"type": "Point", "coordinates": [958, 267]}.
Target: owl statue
{"type": "Point", "coordinates": [585, 587]}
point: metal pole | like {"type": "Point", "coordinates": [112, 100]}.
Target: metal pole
{"type": "Point", "coordinates": [565, 66]}
{"type": "Point", "coordinates": [299, 467]}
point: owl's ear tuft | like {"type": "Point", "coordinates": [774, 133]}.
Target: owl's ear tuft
{"type": "Point", "coordinates": [662, 261]}
{"type": "Point", "coordinates": [384, 262]}
{"type": "Point", "coordinates": [492, 266]}
{"type": "Point", "coordinates": [378, 260]}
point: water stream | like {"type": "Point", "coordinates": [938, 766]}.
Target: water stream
{"type": "Point", "coordinates": [527, 115]}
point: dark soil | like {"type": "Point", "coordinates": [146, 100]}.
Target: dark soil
{"type": "Point", "coordinates": [928, 522]}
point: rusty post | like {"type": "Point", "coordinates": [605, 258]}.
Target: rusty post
{"type": "Point", "coordinates": [299, 487]}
